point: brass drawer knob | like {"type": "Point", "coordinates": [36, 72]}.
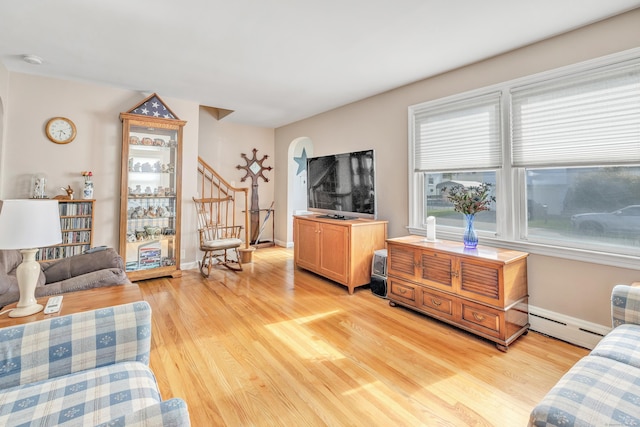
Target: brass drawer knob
{"type": "Point", "coordinates": [436, 303]}
{"type": "Point", "coordinates": [478, 317]}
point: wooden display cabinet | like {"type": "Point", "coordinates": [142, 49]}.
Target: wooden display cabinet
{"type": "Point", "coordinates": [340, 250]}
{"type": "Point", "coordinates": [483, 290]}
{"type": "Point", "coordinates": [150, 207]}
{"type": "Point", "coordinates": [76, 223]}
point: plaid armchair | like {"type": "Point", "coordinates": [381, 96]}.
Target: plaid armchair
{"type": "Point", "coordinates": [84, 369]}
{"type": "Point", "coordinates": [603, 388]}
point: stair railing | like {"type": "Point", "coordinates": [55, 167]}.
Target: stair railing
{"type": "Point", "coordinates": [226, 210]}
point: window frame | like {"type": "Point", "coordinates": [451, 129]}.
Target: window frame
{"type": "Point", "coordinates": [512, 222]}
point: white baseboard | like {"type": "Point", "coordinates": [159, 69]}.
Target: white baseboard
{"type": "Point", "coordinates": [188, 265]}
{"type": "Point", "coordinates": [566, 328]}
{"type": "Point", "coordinates": [284, 244]}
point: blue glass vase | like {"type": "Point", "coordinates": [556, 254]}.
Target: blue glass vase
{"type": "Point", "coordinates": [470, 238]}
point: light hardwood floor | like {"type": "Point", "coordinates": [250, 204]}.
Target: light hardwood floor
{"type": "Point", "coordinates": [278, 346]}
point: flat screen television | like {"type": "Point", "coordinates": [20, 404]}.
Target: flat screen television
{"type": "Point", "coordinates": [342, 186]}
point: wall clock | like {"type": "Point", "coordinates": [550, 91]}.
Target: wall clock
{"type": "Point", "coordinates": [60, 130]}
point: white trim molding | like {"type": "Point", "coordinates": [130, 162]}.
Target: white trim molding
{"type": "Point", "coordinates": [566, 328]}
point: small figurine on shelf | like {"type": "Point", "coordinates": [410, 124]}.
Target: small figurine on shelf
{"type": "Point", "coordinates": [157, 167]}
{"type": "Point", "coordinates": [68, 196]}
{"type": "Point", "coordinates": [137, 167]}
{"type": "Point", "coordinates": [146, 167]}
{"type": "Point", "coordinates": [137, 213]}
{"type": "Point", "coordinates": [131, 164]}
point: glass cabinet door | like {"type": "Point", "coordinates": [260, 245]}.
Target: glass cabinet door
{"type": "Point", "coordinates": [150, 205]}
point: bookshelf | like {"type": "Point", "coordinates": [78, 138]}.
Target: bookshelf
{"type": "Point", "coordinates": [76, 222]}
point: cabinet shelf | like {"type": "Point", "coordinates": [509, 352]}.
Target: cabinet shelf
{"type": "Point", "coordinates": [133, 196]}
{"type": "Point", "coordinates": [76, 224]}
{"type": "Point", "coordinates": [150, 206]}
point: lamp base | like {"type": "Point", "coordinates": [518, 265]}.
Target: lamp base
{"type": "Point", "coordinates": [26, 311]}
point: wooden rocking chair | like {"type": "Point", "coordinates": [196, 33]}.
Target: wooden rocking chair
{"type": "Point", "coordinates": [217, 238]}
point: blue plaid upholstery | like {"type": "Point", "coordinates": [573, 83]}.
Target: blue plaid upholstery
{"type": "Point", "coordinates": [621, 344]}
{"type": "Point", "coordinates": [595, 392]}
{"type": "Point", "coordinates": [603, 388]}
{"type": "Point", "coordinates": [625, 305]}
{"type": "Point", "coordinates": [83, 369]}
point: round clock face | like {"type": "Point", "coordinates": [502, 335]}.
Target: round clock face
{"type": "Point", "coordinates": [60, 130]}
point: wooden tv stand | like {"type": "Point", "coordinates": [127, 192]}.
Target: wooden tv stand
{"type": "Point", "coordinates": [483, 290]}
{"type": "Point", "coordinates": [340, 250]}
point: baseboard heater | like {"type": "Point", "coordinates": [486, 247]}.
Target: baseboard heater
{"type": "Point", "coordinates": [566, 328]}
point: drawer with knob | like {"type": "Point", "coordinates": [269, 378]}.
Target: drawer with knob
{"type": "Point", "coordinates": [481, 318]}
{"type": "Point", "coordinates": [402, 291]}
{"type": "Point", "coordinates": [438, 304]}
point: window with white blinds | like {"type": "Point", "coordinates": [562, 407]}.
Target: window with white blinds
{"type": "Point", "coordinates": [592, 118]}
{"type": "Point", "coordinates": [459, 135]}
{"type": "Point", "coordinates": [561, 148]}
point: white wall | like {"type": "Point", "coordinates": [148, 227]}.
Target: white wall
{"type": "Point", "coordinates": [221, 144]}
{"type": "Point", "coordinates": [95, 110]}
{"type": "Point", "coordinates": [4, 98]}
{"type": "Point", "coordinates": [574, 288]}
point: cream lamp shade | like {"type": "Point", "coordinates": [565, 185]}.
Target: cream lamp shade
{"type": "Point", "coordinates": [28, 225]}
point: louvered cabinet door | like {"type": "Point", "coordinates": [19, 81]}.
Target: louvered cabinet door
{"type": "Point", "coordinates": [481, 281]}
{"type": "Point", "coordinates": [437, 269]}
{"type": "Point", "coordinates": [401, 261]}
{"type": "Point", "coordinates": [498, 284]}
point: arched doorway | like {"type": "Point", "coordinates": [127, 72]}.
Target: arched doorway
{"type": "Point", "coordinates": [299, 150]}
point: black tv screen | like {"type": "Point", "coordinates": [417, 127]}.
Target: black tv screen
{"type": "Point", "coordinates": [342, 186]}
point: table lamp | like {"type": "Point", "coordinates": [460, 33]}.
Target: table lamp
{"type": "Point", "coordinates": [28, 225]}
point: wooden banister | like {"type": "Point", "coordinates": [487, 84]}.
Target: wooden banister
{"type": "Point", "coordinates": [216, 190]}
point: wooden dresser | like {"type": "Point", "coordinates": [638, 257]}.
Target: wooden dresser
{"type": "Point", "coordinates": [483, 290]}
{"type": "Point", "coordinates": [340, 250]}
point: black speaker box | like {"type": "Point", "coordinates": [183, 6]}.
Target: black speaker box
{"type": "Point", "coordinates": [379, 286]}
{"type": "Point", "coordinates": [379, 264]}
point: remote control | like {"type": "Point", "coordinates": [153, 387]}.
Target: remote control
{"type": "Point", "coordinates": [53, 305]}
{"type": "Point", "coordinates": [96, 249]}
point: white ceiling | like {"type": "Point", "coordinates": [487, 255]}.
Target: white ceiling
{"type": "Point", "coordinates": [275, 61]}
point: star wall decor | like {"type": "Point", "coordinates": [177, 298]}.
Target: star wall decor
{"type": "Point", "coordinates": [301, 161]}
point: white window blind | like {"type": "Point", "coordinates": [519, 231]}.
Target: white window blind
{"type": "Point", "coordinates": [589, 119]}
{"type": "Point", "coordinates": [459, 135]}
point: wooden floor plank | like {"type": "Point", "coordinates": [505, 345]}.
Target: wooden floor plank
{"type": "Point", "coordinates": [278, 346]}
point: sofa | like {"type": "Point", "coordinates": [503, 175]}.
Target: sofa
{"type": "Point", "coordinates": [603, 388]}
{"type": "Point", "coordinates": [84, 271]}
{"type": "Point", "coordinates": [84, 369]}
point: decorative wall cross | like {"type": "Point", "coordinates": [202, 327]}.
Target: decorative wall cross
{"type": "Point", "coordinates": [254, 170]}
